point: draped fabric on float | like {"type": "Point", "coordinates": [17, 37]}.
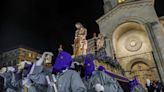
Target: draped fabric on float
{"type": "Point", "coordinates": [125, 85]}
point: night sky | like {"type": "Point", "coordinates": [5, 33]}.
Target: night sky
{"type": "Point", "coordinates": [44, 24]}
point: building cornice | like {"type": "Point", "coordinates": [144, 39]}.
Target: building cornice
{"type": "Point", "coordinates": [128, 5]}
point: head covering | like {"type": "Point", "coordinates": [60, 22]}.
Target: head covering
{"type": "Point", "coordinates": [133, 84]}
{"type": "Point", "coordinates": [89, 67]}
{"type": "Point", "coordinates": [101, 68]}
{"type": "Point", "coordinates": [62, 62]}
{"type": "Point", "coordinates": [136, 81]}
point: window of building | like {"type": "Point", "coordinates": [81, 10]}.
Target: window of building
{"type": "Point", "coordinates": [22, 53]}
{"type": "Point", "coordinates": [33, 55]}
{"type": "Point", "coordinates": [29, 54]}
{"type": "Point", "coordinates": [121, 1]}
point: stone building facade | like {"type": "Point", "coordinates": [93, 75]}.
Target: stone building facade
{"type": "Point", "coordinates": [135, 35]}
{"type": "Point", "coordinates": [14, 56]}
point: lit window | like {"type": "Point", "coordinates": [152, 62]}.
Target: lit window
{"type": "Point", "coordinates": [29, 54]}
{"type": "Point", "coordinates": [121, 1]}
{"type": "Point", "coordinates": [33, 56]}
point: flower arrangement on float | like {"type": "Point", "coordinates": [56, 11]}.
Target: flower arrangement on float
{"type": "Point", "coordinates": [101, 57]}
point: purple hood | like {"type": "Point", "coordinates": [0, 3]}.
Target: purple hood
{"type": "Point", "coordinates": [62, 62]}
{"type": "Point", "coordinates": [89, 67]}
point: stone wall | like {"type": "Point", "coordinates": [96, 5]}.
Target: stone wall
{"type": "Point", "coordinates": [141, 12]}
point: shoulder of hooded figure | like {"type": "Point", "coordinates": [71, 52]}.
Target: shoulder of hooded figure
{"type": "Point", "coordinates": [97, 74]}
{"type": "Point", "coordinates": [105, 76]}
{"type": "Point", "coordinates": [47, 70]}
{"type": "Point", "coordinates": [73, 72]}
{"type": "Point", "coordinates": [8, 74]}
{"type": "Point", "coordinates": [100, 73]}
{"type": "Point", "coordinates": [37, 69]}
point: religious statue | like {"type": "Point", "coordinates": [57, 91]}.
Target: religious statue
{"type": "Point", "coordinates": [80, 41]}
{"type": "Point", "coordinates": [81, 31]}
{"type": "Point", "coordinates": [100, 41]}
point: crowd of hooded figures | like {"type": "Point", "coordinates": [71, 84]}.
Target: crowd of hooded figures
{"type": "Point", "coordinates": [61, 77]}
{"type": "Point", "coordinates": [154, 86]}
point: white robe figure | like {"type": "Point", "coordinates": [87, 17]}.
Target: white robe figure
{"type": "Point", "coordinates": [7, 75]}
{"type": "Point", "coordinates": [7, 82]}
{"type": "Point", "coordinates": [34, 81]}
{"type": "Point", "coordinates": [39, 72]}
{"type": "Point", "coordinates": [17, 81]}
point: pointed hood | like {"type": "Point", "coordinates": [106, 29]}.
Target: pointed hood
{"type": "Point", "coordinates": [89, 66]}
{"type": "Point", "coordinates": [62, 62]}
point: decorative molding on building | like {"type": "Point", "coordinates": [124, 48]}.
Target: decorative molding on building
{"type": "Point", "coordinates": [123, 6]}
{"type": "Point", "coordinates": [20, 46]}
{"type": "Point", "coordinates": [133, 44]}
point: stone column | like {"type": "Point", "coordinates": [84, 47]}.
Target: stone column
{"type": "Point", "coordinates": [108, 47]}
{"type": "Point", "coordinates": [156, 39]}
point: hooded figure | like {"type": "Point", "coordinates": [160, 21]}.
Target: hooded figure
{"type": "Point", "coordinates": [89, 67]}
{"type": "Point", "coordinates": [136, 86]}
{"type": "Point", "coordinates": [120, 86]}
{"type": "Point", "coordinates": [64, 79]}
{"type": "Point", "coordinates": [40, 66]}
{"type": "Point", "coordinates": [98, 81]}
{"type": "Point", "coordinates": [23, 81]}
{"type": "Point", "coordinates": [38, 72]}
{"type": "Point", "coordinates": [18, 77]}
{"type": "Point", "coordinates": [63, 62]}
{"type": "Point", "coordinates": [7, 74]}
{"type": "Point", "coordinates": [149, 86]}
